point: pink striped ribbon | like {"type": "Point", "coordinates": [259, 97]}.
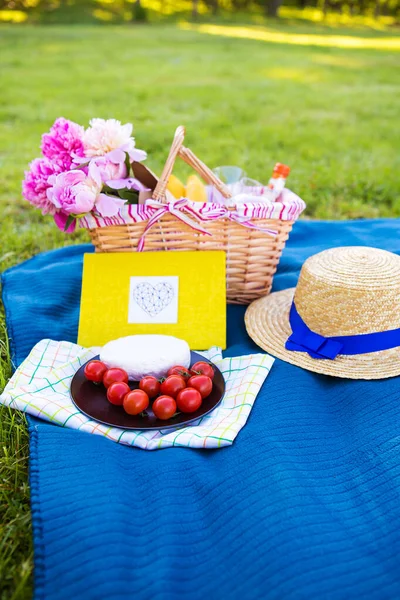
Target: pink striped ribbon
{"type": "Point", "coordinates": [184, 210]}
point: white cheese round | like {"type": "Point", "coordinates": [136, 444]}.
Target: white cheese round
{"type": "Point", "coordinates": [141, 355]}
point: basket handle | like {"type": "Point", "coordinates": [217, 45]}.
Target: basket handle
{"type": "Point", "coordinates": [177, 148]}
{"type": "Point", "coordinates": [160, 189]}
{"type": "Point", "coordinates": [205, 172]}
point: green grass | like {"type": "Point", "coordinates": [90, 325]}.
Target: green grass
{"type": "Point", "coordinates": [15, 528]}
{"type": "Point", "coordinates": [331, 113]}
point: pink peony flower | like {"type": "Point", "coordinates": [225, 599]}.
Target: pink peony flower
{"type": "Point", "coordinates": [73, 192]}
{"type": "Point", "coordinates": [77, 193]}
{"type": "Point", "coordinates": [36, 184]}
{"type": "Point", "coordinates": [104, 136]}
{"type": "Point", "coordinates": [113, 171]}
{"type": "Point", "coordinates": [62, 142]}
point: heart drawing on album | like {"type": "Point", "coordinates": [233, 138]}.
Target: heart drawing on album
{"type": "Point", "coordinates": [153, 298]}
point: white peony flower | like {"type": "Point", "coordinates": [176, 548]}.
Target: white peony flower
{"type": "Point", "coordinates": [103, 136]}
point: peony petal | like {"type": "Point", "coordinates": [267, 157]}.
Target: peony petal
{"type": "Point", "coordinates": [79, 160]}
{"type": "Point", "coordinates": [137, 155]}
{"type": "Point", "coordinates": [70, 178]}
{"type": "Point", "coordinates": [108, 206]}
{"type": "Point", "coordinates": [60, 219]}
{"type": "Point", "coordinates": [117, 184]}
{"type": "Point", "coordinates": [84, 201]}
{"type": "Point", "coordinates": [131, 184]}
{"type": "Point", "coordinates": [94, 173]}
{"type": "Point", "coordinates": [127, 129]}
{"type": "Point", "coordinates": [52, 179]}
{"type": "Point", "coordinates": [52, 197]}
{"type": "Point", "coordinates": [116, 156]}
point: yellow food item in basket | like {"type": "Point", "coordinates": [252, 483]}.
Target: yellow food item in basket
{"type": "Point", "coordinates": [195, 189]}
{"type": "Point", "coordinates": [176, 187]}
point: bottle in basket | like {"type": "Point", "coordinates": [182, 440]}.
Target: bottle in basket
{"type": "Point", "coordinates": [278, 179]}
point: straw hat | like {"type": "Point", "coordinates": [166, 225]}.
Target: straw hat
{"type": "Point", "coordinates": [341, 292]}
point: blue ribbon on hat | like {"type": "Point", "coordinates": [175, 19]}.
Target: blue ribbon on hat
{"type": "Point", "coordinates": [303, 339]}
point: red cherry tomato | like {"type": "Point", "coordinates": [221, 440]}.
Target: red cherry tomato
{"type": "Point", "coordinates": [117, 392]}
{"type": "Point", "coordinates": [202, 384]}
{"type": "Point", "coordinates": [173, 385]}
{"type": "Point", "coordinates": [150, 385]}
{"type": "Point", "coordinates": [179, 370]}
{"type": "Point", "coordinates": [164, 407]}
{"type": "Point", "coordinates": [202, 368]}
{"type": "Point", "coordinates": [135, 402]}
{"type": "Point", "coordinates": [189, 400]}
{"type": "Point", "coordinates": [114, 375]}
{"type": "Point", "coordinates": [94, 371]}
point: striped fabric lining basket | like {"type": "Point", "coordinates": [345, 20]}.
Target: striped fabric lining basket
{"type": "Point", "coordinates": [253, 235]}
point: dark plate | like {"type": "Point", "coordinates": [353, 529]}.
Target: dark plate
{"type": "Point", "coordinates": [91, 399]}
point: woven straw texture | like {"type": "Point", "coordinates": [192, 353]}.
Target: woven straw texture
{"type": "Point", "coordinates": [342, 291]}
{"type": "Point", "coordinates": [252, 256]}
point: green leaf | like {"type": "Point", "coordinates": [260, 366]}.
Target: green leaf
{"type": "Point", "coordinates": [106, 189]}
{"type": "Point", "coordinates": [127, 164]}
{"type": "Point", "coordinates": [69, 222]}
{"type": "Point", "coordinates": [81, 165]}
{"type": "Point", "coordinates": [131, 196]}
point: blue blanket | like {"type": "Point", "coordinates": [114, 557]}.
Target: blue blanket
{"type": "Point", "coordinates": [305, 504]}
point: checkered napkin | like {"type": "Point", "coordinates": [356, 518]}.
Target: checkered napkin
{"type": "Point", "coordinates": [41, 387]}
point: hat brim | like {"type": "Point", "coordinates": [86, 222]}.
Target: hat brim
{"type": "Point", "coordinates": [267, 323]}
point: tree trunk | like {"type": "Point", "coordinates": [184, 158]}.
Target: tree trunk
{"type": "Point", "coordinates": [138, 13]}
{"type": "Point", "coordinates": [195, 9]}
{"type": "Point", "coordinates": [385, 10]}
{"type": "Point", "coordinates": [377, 10]}
{"type": "Point", "coordinates": [272, 7]}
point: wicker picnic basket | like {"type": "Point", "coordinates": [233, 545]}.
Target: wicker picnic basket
{"type": "Point", "coordinates": [252, 255]}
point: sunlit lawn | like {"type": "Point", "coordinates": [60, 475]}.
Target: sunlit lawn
{"type": "Point", "coordinates": [252, 99]}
